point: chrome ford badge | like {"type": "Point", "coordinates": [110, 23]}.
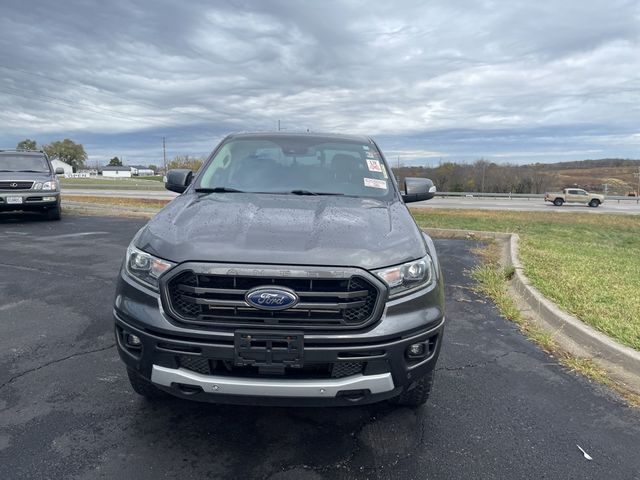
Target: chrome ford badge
{"type": "Point", "coordinates": [271, 298]}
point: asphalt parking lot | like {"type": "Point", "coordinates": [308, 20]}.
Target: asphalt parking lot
{"type": "Point", "coordinates": [501, 408]}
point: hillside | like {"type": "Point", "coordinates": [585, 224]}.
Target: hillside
{"type": "Point", "coordinates": [593, 174]}
{"type": "Point", "coordinates": [617, 174]}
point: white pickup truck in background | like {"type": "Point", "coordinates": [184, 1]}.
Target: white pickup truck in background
{"type": "Point", "coordinates": [574, 195]}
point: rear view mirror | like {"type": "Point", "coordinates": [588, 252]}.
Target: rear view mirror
{"type": "Point", "coordinates": [178, 180]}
{"type": "Point", "coordinates": [59, 171]}
{"type": "Point", "coordinates": [418, 189]}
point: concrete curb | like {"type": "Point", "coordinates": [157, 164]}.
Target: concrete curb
{"type": "Point", "coordinates": [573, 335]}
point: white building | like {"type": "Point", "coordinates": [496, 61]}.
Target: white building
{"type": "Point", "coordinates": [119, 172]}
{"type": "Point", "coordinates": [68, 169]}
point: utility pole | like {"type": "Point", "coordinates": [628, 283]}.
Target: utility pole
{"type": "Point", "coordinates": [164, 155]}
{"type": "Point", "coordinates": [484, 167]}
{"type": "Point", "coordinates": [398, 161]}
{"type": "Point", "coordinates": [278, 125]}
{"type": "Point", "coordinates": [638, 176]}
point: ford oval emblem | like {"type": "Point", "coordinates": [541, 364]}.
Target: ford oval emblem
{"type": "Point", "coordinates": [271, 298]}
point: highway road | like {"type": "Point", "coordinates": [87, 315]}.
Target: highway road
{"type": "Point", "coordinates": [99, 192]}
{"type": "Point", "coordinates": [501, 407]}
{"type": "Point", "coordinates": [528, 205]}
{"type": "Point", "coordinates": [631, 207]}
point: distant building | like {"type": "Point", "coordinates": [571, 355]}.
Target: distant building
{"type": "Point", "coordinates": [120, 172]}
{"type": "Point", "coordinates": [68, 169]}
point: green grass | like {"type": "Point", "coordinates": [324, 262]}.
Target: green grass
{"type": "Point", "coordinates": [492, 282]}
{"type": "Point", "coordinates": [118, 201]}
{"type": "Point", "coordinates": [587, 264]}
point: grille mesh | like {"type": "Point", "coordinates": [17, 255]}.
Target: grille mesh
{"type": "Point", "coordinates": [205, 366]}
{"type": "Point", "coordinates": [9, 185]}
{"type": "Point", "coordinates": [346, 369]}
{"type": "Point", "coordinates": [195, 364]}
{"type": "Point", "coordinates": [219, 300]}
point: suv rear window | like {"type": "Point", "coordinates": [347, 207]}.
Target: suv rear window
{"type": "Point", "coordinates": [23, 163]}
{"type": "Point", "coordinates": [286, 164]}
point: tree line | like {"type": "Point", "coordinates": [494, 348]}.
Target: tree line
{"type": "Point", "coordinates": [65, 150]}
{"type": "Point", "coordinates": [483, 176]}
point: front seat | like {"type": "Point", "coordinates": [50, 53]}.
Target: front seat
{"type": "Point", "coordinates": [347, 168]}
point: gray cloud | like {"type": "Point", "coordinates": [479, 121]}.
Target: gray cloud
{"type": "Point", "coordinates": [506, 80]}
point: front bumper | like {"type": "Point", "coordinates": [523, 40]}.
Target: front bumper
{"type": "Point", "coordinates": [29, 200]}
{"type": "Point", "coordinates": [314, 388]}
{"type": "Point", "coordinates": [380, 348]}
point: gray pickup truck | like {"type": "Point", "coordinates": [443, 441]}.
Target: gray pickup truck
{"type": "Point", "coordinates": [28, 183]}
{"type": "Point", "coordinates": [289, 271]}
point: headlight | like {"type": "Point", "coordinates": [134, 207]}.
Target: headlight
{"type": "Point", "coordinates": [52, 185]}
{"type": "Point", "coordinates": [144, 267]}
{"type": "Point", "coordinates": [408, 276]}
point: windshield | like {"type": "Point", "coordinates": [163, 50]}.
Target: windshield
{"type": "Point", "coordinates": [298, 165]}
{"type": "Point", "coordinates": [23, 163]}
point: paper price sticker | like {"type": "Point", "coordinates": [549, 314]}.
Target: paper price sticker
{"type": "Point", "coordinates": [375, 183]}
{"type": "Point", "coordinates": [374, 165]}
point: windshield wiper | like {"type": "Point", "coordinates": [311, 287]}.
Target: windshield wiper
{"type": "Point", "coordinates": [32, 171]}
{"type": "Point", "coordinates": [309, 192]}
{"type": "Point", "coordinates": [218, 190]}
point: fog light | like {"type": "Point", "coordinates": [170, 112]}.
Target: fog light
{"type": "Point", "coordinates": [133, 340]}
{"type": "Point", "coordinates": [416, 350]}
{"type": "Point", "coordinates": [48, 199]}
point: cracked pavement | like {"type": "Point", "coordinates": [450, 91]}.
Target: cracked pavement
{"type": "Point", "coordinates": [501, 408]}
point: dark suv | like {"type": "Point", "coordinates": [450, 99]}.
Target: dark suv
{"type": "Point", "coordinates": [289, 271]}
{"type": "Point", "coordinates": [28, 183]}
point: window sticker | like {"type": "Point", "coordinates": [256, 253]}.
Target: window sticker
{"type": "Point", "coordinates": [372, 155]}
{"type": "Point", "coordinates": [384, 172]}
{"type": "Point", "coordinates": [374, 165]}
{"type": "Point", "coordinates": [365, 147]}
{"type": "Point", "coordinates": [375, 183]}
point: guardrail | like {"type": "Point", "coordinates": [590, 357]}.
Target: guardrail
{"type": "Point", "coordinates": [528, 196]}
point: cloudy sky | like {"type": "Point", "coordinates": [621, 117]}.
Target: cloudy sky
{"type": "Point", "coordinates": [512, 81]}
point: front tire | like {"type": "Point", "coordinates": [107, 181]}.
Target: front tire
{"type": "Point", "coordinates": [144, 387]}
{"type": "Point", "coordinates": [417, 394]}
{"type": "Point", "coordinates": [594, 203]}
{"type": "Point", "coordinates": [558, 202]}
{"type": "Point", "coordinates": [53, 213]}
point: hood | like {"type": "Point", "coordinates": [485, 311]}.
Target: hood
{"type": "Point", "coordinates": [27, 176]}
{"type": "Point", "coordinates": [283, 229]}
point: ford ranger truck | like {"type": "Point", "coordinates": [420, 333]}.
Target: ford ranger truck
{"type": "Point", "coordinates": [574, 195]}
{"type": "Point", "coordinates": [288, 272]}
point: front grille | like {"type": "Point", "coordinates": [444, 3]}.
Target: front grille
{"type": "Point", "coordinates": [219, 300]}
{"type": "Point", "coordinates": [15, 185]}
{"type": "Point", "coordinates": [205, 366]}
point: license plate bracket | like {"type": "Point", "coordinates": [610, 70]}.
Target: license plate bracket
{"type": "Point", "coordinates": [268, 349]}
{"type": "Point", "coordinates": [13, 200]}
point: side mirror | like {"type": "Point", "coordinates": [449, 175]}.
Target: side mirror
{"type": "Point", "coordinates": [59, 171]}
{"type": "Point", "coordinates": [178, 180]}
{"type": "Point", "coordinates": [418, 189]}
